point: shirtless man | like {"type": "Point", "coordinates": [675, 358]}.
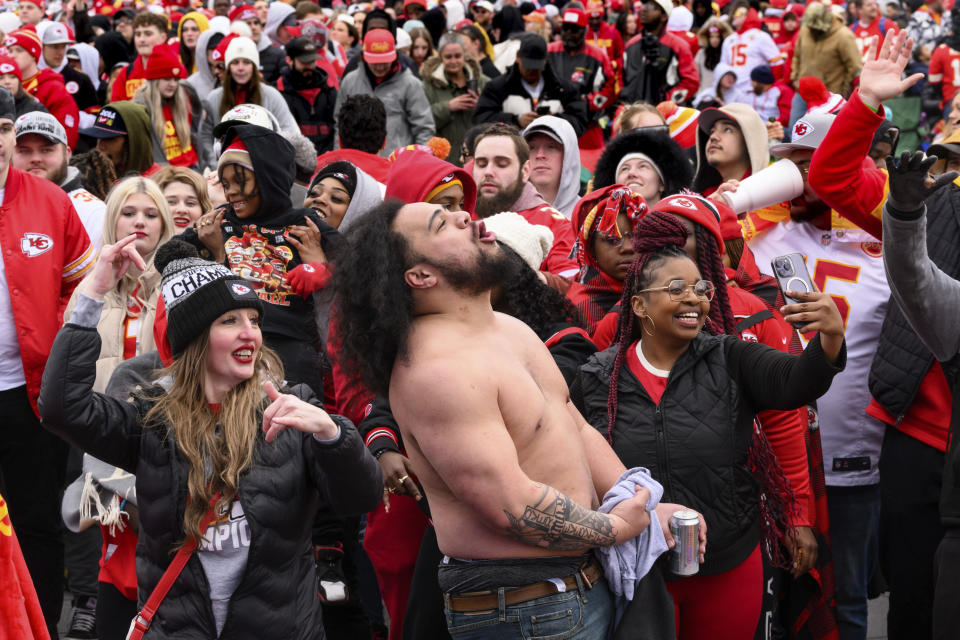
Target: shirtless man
{"type": "Point", "coordinates": [511, 469]}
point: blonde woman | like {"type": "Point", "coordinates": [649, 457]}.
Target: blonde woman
{"type": "Point", "coordinates": [230, 470]}
{"type": "Point", "coordinates": [173, 107]}
{"type": "Point", "coordinates": [186, 193]}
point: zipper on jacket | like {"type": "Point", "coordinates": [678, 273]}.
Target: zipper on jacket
{"type": "Point", "coordinates": [663, 459]}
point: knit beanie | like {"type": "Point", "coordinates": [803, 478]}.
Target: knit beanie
{"type": "Point", "coordinates": [343, 171]}
{"type": "Point", "coordinates": [242, 48]}
{"type": "Point", "coordinates": [9, 65]}
{"type": "Point", "coordinates": [196, 292]}
{"type": "Point", "coordinates": [236, 153]}
{"type": "Point", "coordinates": [8, 109]}
{"type": "Point", "coordinates": [164, 63]}
{"type": "Point", "coordinates": [532, 242]}
{"type": "Point", "coordinates": [695, 208]}
{"type": "Point", "coordinates": [26, 38]}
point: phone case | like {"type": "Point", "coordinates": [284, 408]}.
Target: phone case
{"type": "Point", "coordinates": [791, 273]}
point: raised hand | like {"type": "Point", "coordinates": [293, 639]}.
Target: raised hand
{"type": "Point", "coordinates": [911, 182]}
{"type": "Point", "coordinates": [112, 264]}
{"type": "Point", "coordinates": [880, 78]}
{"type": "Point", "coordinates": [287, 411]}
{"type": "Point", "coordinates": [816, 311]}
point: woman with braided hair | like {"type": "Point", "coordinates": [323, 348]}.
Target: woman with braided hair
{"type": "Point", "coordinates": [682, 402]}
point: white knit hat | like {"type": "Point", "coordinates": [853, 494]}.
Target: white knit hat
{"type": "Point", "coordinates": [532, 242]}
{"type": "Point", "coordinates": [242, 48]}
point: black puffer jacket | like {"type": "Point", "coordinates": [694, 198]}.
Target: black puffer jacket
{"type": "Point", "coordinates": [277, 595]}
{"type": "Point", "coordinates": [696, 441]}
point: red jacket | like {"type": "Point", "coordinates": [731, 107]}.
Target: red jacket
{"type": "Point", "coordinates": [689, 77]}
{"type": "Point", "coordinates": [48, 87]}
{"type": "Point", "coordinates": [20, 614]}
{"type": "Point", "coordinates": [610, 40]}
{"type": "Point", "coordinates": [46, 252]}
{"type": "Point", "coordinates": [128, 81]}
{"type": "Point", "coordinates": [856, 189]}
{"type": "Point", "coordinates": [588, 69]}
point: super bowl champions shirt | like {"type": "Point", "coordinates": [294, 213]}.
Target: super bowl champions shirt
{"type": "Point", "coordinates": [223, 554]}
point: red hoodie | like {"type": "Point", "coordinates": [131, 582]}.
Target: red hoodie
{"type": "Point", "coordinates": [47, 87]}
{"type": "Point", "coordinates": [430, 172]}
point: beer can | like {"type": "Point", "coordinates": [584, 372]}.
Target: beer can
{"type": "Point", "coordinates": [685, 556]}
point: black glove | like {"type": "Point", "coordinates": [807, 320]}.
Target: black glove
{"type": "Point", "coordinates": [908, 183]}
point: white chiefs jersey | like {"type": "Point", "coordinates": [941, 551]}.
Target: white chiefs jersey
{"type": "Point", "coordinates": [847, 264]}
{"type": "Point", "coordinates": [91, 211]}
{"type": "Point", "coordinates": [746, 51]}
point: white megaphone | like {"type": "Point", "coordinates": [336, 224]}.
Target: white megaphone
{"type": "Point", "coordinates": [780, 182]}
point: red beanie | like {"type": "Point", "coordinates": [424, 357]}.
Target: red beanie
{"type": "Point", "coordinates": [164, 62]}
{"type": "Point", "coordinates": [220, 53]}
{"type": "Point", "coordinates": [26, 38]}
{"type": "Point", "coordinates": [244, 12]}
{"type": "Point", "coordinates": [812, 90]}
{"type": "Point", "coordinates": [696, 208]}
{"type": "Point", "coordinates": [9, 65]}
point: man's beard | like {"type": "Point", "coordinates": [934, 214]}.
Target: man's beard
{"type": "Point", "coordinates": [502, 201]}
{"type": "Point", "coordinates": [57, 176]}
{"type": "Point", "coordinates": [481, 276]}
{"type": "Point", "coordinates": [758, 91]}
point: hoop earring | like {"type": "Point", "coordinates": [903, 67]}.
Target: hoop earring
{"type": "Point", "coordinates": [647, 317]}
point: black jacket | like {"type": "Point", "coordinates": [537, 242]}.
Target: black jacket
{"type": "Point", "coordinates": [256, 247]}
{"type": "Point", "coordinates": [272, 64]}
{"type": "Point", "coordinates": [311, 100]}
{"type": "Point", "coordinates": [25, 103]}
{"type": "Point", "coordinates": [504, 98]}
{"type": "Point", "coordinates": [279, 492]}
{"type": "Point", "coordinates": [80, 88]}
{"type": "Point", "coordinates": [696, 441]}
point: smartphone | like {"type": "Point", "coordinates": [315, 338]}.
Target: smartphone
{"type": "Point", "coordinates": [543, 110]}
{"type": "Point", "coordinates": [791, 273]}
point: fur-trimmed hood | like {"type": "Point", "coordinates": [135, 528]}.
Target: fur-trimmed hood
{"type": "Point", "coordinates": [672, 160]}
{"type": "Point", "coordinates": [432, 71]}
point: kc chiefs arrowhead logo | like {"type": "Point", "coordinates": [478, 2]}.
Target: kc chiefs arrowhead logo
{"type": "Point", "coordinates": [801, 129]}
{"type": "Point", "coordinates": [35, 244]}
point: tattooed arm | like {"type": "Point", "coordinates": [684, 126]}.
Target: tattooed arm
{"type": "Point", "coordinates": [458, 427]}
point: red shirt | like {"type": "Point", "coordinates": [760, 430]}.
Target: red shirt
{"type": "Point", "coordinates": [945, 71]}
{"type": "Point", "coordinates": [878, 28]}
{"type": "Point", "coordinates": [653, 380]}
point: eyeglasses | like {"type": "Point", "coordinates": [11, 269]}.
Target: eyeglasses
{"type": "Point", "coordinates": [677, 289]}
{"type": "Point", "coordinates": [613, 241]}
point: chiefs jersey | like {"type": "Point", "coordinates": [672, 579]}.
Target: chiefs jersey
{"type": "Point", "coordinates": [878, 27]}
{"type": "Point", "coordinates": [847, 264]}
{"type": "Point", "coordinates": [945, 71]}
{"type": "Point", "coordinates": [746, 51]}
{"type": "Point", "coordinates": [588, 70]}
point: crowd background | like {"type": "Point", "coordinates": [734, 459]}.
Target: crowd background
{"type": "Point", "coordinates": [260, 133]}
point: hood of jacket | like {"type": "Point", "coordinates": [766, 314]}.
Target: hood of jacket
{"type": "Point", "coordinates": [89, 61]}
{"type": "Point", "coordinates": [432, 71]}
{"type": "Point", "coordinates": [569, 190]}
{"type": "Point", "coordinates": [139, 134]}
{"type": "Point", "coordinates": [203, 79]}
{"type": "Point", "coordinates": [529, 199]}
{"type": "Point", "coordinates": [754, 134]}
{"type": "Point", "coordinates": [383, 15]}
{"type": "Point", "coordinates": [368, 194]}
{"type": "Point", "coordinates": [430, 172]}
{"type": "Point", "coordinates": [276, 14]}
{"type": "Point", "coordinates": [751, 21]}
{"type": "Point", "coordinates": [658, 146]}
{"type": "Point", "coordinates": [273, 166]}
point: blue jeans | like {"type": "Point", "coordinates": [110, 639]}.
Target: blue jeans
{"type": "Point", "coordinates": [579, 614]}
{"type": "Point", "coordinates": [854, 536]}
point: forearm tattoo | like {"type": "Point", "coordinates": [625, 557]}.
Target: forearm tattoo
{"type": "Point", "coordinates": [557, 522]}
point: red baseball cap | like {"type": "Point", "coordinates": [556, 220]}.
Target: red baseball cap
{"type": "Point", "coordinates": [244, 12]}
{"type": "Point", "coordinates": [574, 16]}
{"type": "Point", "coordinates": [379, 46]}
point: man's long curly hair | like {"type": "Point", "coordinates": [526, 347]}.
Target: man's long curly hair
{"type": "Point", "coordinates": [373, 306]}
{"type": "Point", "coordinates": [526, 297]}
{"type": "Point", "coordinates": [658, 237]}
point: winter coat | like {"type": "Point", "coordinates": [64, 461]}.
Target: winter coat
{"type": "Point", "coordinates": [836, 59]}
{"type": "Point", "coordinates": [25, 103]}
{"type": "Point", "coordinates": [656, 145]}
{"type": "Point", "coordinates": [196, 117]}
{"type": "Point", "coordinates": [409, 118]}
{"type": "Point", "coordinates": [311, 100]}
{"type": "Point", "coordinates": [279, 493]}
{"type": "Point", "coordinates": [452, 125]}
{"type": "Point", "coordinates": [111, 325]}
{"type": "Point", "coordinates": [504, 99]}
{"type": "Point", "coordinates": [203, 79]}
{"type": "Point", "coordinates": [48, 87]}
{"type": "Point", "coordinates": [271, 100]}
{"type": "Point", "coordinates": [697, 439]}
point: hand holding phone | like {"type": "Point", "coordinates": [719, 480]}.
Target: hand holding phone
{"type": "Point", "coordinates": [791, 273]}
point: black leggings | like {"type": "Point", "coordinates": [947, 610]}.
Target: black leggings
{"type": "Point", "coordinates": [114, 613]}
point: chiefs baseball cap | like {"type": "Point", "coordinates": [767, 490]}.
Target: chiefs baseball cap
{"type": "Point", "coordinates": [58, 33]}
{"type": "Point", "coordinates": [808, 132]}
{"type": "Point", "coordinates": [109, 124]}
{"type": "Point", "coordinates": [41, 124]}
{"type": "Point", "coordinates": [379, 46]}
{"type": "Point", "coordinates": [302, 49]}
{"type": "Point", "coordinates": [574, 17]}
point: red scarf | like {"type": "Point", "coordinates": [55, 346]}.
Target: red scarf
{"type": "Point", "coordinates": [176, 155]}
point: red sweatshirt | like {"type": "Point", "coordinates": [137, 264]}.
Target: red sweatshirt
{"type": "Point", "coordinates": [47, 87]}
{"type": "Point", "coordinates": [857, 190]}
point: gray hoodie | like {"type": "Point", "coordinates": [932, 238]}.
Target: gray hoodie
{"type": "Point", "coordinates": [569, 191]}
{"type": "Point", "coordinates": [203, 79]}
{"type": "Point", "coordinates": [276, 14]}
